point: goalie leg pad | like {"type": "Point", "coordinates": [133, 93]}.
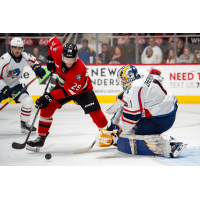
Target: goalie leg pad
{"type": "Point", "coordinates": [133, 146]}
{"type": "Point", "coordinates": [154, 145]}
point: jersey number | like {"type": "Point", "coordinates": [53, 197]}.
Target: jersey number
{"type": "Point", "coordinates": [76, 87]}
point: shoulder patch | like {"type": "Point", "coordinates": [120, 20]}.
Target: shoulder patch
{"type": "Point", "coordinates": [78, 77]}
{"type": "Point", "coordinates": [55, 49]}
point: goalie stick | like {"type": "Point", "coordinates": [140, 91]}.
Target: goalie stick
{"type": "Point", "coordinates": [115, 119]}
{"type": "Point", "coordinates": [84, 150]}
{"type": "Point", "coordinates": [16, 145]}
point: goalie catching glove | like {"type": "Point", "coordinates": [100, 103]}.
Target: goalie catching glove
{"type": "Point", "coordinates": [44, 100]}
{"type": "Point", "coordinates": [108, 137]}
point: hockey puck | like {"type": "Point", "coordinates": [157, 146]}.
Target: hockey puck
{"type": "Point", "coordinates": [48, 156]}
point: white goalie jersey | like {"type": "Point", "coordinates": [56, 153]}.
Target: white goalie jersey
{"type": "Point", "coordinates": [146, 97]}
{"type": "Point", "coordinates": [11, 68]}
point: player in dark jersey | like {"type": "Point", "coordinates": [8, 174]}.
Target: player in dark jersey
{"type": "Point", "coordinates": [72, 84]}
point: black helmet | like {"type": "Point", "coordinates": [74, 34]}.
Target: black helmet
{"type": "Point", "coordinates": [70, 50]}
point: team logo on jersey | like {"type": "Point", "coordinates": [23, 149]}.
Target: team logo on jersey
{"type": "Point", "coordinates": [78, 77]}
{"type": "Point", "coordinates": [1, 58]}
{"type": "Point", "coordinates": [14, 73]}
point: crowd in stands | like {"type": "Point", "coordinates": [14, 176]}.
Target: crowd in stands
{"type": "Point", "coordinates": [122, 48]}
{"type": "Point", "coordinates": [151, 50]}
{"type": "Point", "coordinates": [34, 43]}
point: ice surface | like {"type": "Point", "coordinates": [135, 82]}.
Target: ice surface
{"type": "Point", "coordinates": [72, 129]}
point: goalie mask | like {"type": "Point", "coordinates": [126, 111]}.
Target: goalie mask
{"type": "Point", "coordinates": [127, 74]}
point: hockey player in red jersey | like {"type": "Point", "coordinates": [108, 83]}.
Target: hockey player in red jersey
{"type": "Point", "coordinates": [72, 84]}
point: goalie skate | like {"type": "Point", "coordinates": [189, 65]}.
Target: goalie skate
{"type": "Point", "coordinates": [177, 148]}
{"type": "Point", "coordinates": [25, 128]}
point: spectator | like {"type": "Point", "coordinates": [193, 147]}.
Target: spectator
{"type": "Point", "coordinates": [86, 52]}
{"type": "Point", "coordinates": [170, 58]}
{"type": "Point", "coordinates": [104, 56]}
{"type": "Point", "coordinates": [186, 57]}
{"type": "Point", "coordinates": [166, 54]}
{"type": "Point", "coordinates": [115, 39]}
{"type": "Point", "coordinates": [43, 49]}
{"type": "Point", "coordinates": [129, 50]}
{"type": "Point", "coordinates": [156, 51]}
{"type": "Point", "coordinates": [118, 57]}
{"type": "Point", "coordinates": [196, 51]}
{"type": "Point", "coordinates": [180, 46]}
{"type": "Point", "coordinates": [40, 58]}
{"type": "Point", "coordinates": [149, 58]}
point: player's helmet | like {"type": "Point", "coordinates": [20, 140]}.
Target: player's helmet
{"type": "Point", "coordinates": [16, 42]}
{"type": "Point", "coordinates": [128, 74]}
{"type": "Point", "coordinates": [70, 51]}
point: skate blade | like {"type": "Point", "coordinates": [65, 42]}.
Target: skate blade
{"type": "Point", "coordinates": [178, 151]}
{"type": "Point", "coordinates": [34, 149]}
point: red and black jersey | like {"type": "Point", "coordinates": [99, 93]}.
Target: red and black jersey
{"type": "Point", "coordinates": [75, 81]}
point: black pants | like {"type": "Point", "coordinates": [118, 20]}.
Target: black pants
{"type": "Point", "coordinates": [87, 100]}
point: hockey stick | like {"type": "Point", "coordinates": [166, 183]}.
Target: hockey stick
{"type": "Point", "coordinates": [84, 150]}
{"type": "Point", "coordinates": [114, 119]}
{"type": "Point", "coordinates": [21, 146]}
{"type": "Point", "coordinates": [18, 93]}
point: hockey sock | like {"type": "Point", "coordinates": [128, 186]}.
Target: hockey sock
{"type": "Point", "coordinates": [26, 109]}
{"type": "Point", "coordinates": [99, 118]}
{"type": "Point", "coordinates": [46, 118]}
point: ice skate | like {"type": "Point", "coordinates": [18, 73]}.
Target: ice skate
{"type": "Point", "coordinates": [25, 128]}
{"type": "Point", "coordinates": [36, 144]}
{"type": "Point", "coordinates": [177, 148]}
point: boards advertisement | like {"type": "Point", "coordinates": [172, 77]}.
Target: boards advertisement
{"type": "Point", "coordinates": [183, 80]}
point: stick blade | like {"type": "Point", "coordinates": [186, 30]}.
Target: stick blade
{"type": "Point", "coordinates": [84, 150]}
{"type": "Point", "coordinates": [18, 146]}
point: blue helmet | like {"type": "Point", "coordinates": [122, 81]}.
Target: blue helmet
{"type": "Point", "coordinates": [129, 73]}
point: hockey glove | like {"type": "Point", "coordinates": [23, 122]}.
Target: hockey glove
{"type": "Point", "coordinates": [7, 91]}
{"type": "Point", "coordinates": [51, 64]}
{"type": "Point", "coordinates": [107, 137]}
{"type": "Point", "coordinates": [44, 100]}
{"type": "Point", "coordinates": [39, 71]}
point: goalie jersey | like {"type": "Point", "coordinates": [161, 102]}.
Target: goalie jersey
{"type": "Point", "coordinates": [11, 68]}
{"type": "Point", "coordinates": [145, 98]}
